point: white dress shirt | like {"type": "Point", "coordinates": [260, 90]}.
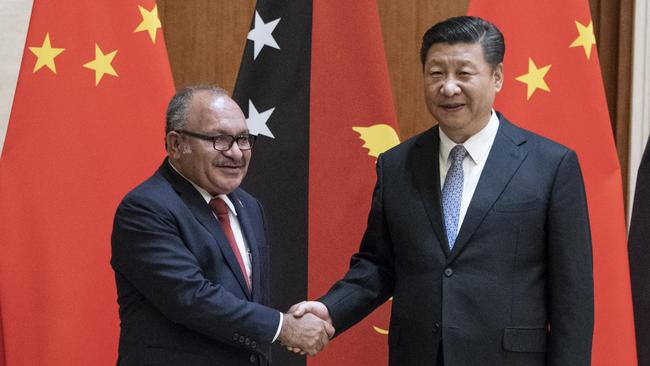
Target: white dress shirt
{"type": "Point", "coordinates": [242, 245]}
{"type": "Point", "coordinates": [478, 148]}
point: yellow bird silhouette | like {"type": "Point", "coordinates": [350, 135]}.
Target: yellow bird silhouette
{"type": "Point", "coordinates": [377, 138]}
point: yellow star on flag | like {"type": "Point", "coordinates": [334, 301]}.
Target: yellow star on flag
{"type": "Point", "coordinates": [101, 64]}
{"type": "Point", "coordinates": [534, 78]}
{"type": "Point", "coordinates": [150, 22]}
{"type": "Point", "coordinates": [585, 38]}
{"type": "Point", "coordinates": [46, 54]}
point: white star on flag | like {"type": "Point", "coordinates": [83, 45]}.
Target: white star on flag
{"type": "Point", "coordinates": [261, 34]}
{"type": "Point", "coordinates": [257, 121]}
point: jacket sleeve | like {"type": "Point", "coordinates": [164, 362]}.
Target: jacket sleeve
{"type": "Point", "coordinates": [570, 275]}
{"type": "Point", "coordinates": [149, 252]}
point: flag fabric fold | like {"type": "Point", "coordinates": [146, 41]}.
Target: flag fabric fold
{"type": "Point", "coordinates": [87, 124]}
{"type": "Point", "coordinates": [553, 86]}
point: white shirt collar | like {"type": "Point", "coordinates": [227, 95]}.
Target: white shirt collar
{"type": "Point", "coordinates": [477, 146]}
{"type": "Point", "coordinates": [206, 196]}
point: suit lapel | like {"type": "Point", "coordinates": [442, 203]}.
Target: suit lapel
{"type": "Point", "coordinates": [204, 215]}
{"type": "Point", "coordinates": [247, 229]}
{"type": "Point", "coordinates": [505, 157]}
{"type": "Point", "coordinates": [426, 174]}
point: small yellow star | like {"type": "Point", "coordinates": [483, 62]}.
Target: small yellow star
{"type": "Point", "coordinates": [534, 78]}
{"type": "Point", "coordinates": [150, 22]}
{"type": "Point", "coordinates": [585, 38]}
{"type": "Point", "coordinates": [46, 54]}
{"type": "Point", "coordinates": [101, 64]}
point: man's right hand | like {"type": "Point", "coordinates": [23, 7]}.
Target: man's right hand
{"type": "Point", "coordinates": [314, 307]}
{"type": "Point", "coordinates": [307, 333]}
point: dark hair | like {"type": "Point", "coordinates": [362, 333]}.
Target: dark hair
{"type": "Point", "coordinates": [177, 108]}
{"type": "Point", "coordinates": [466, 29]}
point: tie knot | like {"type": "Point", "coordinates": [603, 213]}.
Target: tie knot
{"type": "Point", "coordinates": [458, 153]}
{"type": "Point", "coordinates": [219, 206]}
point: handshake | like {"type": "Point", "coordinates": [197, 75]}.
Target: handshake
{"type": "Point", "coordinates": [306, 328]}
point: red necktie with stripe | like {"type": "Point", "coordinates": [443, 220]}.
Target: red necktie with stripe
{"type": "Point", "coordinates": [219, 207]}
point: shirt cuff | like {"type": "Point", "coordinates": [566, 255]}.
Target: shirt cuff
{"type": "Point", "coordinates": [277, 333]}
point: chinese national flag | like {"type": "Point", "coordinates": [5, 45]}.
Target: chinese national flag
{"type": "Point", "coordinates": [87, 124]}
{"type": "Point", "coordinates": [315, 81]}
{"type": "Point", "coordinates": [553, 86]}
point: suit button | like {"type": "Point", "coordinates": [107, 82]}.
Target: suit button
{"type": "Point", "coordinates": [449, 272]}
{"type": "Point", "coordinates": [235, 337]}
{"type": "Point", "coordinates": [253, 345]}
{"type": "Point", "coordinates": [436, 327]}
{"type": "Point", "coordinates": [252, 359]}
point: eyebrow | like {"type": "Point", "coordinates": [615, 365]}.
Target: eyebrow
{"type": "Point", "coordinates": [441, 61]}
{"type": "Point", "coordinates": [222, 132]}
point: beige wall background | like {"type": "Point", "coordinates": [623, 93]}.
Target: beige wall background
{"type": "Point", "coordinates": [14, 19]}
{"type": "Point", "coordinates": [205, 40]}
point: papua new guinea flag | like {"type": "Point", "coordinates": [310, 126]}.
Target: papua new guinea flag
{"type": "Point", "coordinates": [314, 84]}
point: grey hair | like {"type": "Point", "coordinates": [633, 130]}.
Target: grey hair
{"type": "Point", "coordinates": [178, 105]}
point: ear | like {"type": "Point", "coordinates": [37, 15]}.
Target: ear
{"type": "Point", "coordinates": [173, 144]}
{"type": "Point", "coordinates": [498, 77]}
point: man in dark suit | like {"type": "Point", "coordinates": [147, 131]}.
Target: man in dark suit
{"type": "Point", "coordinates": [190, 251]}
{"type": "Point", "coordinates": [478, 229]}
{"type": "Point", "coordinates": [638, 245]}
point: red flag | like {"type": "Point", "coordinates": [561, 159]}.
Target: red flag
{"type": "Point", "coordinates": [86, 125]}
{"type": "Point", "coordinates": [553, 86]}
{"type": "Point", "coordinates": [352, 120]}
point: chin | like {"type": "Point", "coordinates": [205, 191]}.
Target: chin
{"type": "Point", "coordinates": [230, 186]}
{"type": "Point", "coordinates": [452, 124]}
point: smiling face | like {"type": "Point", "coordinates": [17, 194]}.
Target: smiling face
{"type": "Point", "coordinates": [218, 172]}
{"type": "Point", "coordinates": [459, 88]}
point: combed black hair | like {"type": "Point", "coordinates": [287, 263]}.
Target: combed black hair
{"type": "Point", "coordinates": [466, 29]}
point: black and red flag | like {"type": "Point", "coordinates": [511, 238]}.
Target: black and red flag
{"type": "Point", "coordinates": [314, 85]}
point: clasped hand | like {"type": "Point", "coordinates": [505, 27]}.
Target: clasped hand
{"type": "Point", "coordinates": [306, 328]}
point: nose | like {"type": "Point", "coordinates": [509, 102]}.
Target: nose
{"type": "Point", "coordinates": [234, 152]}
{"type": "Point", "coordinates": [449, 87]}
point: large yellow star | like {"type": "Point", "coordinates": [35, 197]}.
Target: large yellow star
{"type": "Point", "coordinates": [585, 38]}
{"type": "Point", "coordinates": [534, 78]}
{"type": "Point", "coordinates": [101, 64]}
{"type": "Point", "coordinates": [46, 54]}
{"type": "Point", "coordinates": [150, 22]}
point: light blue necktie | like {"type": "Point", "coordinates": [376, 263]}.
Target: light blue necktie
{"type": "Point", "coordinates": [452, 193]}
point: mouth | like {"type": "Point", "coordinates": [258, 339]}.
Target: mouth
{"type": "Point", "coordinates": [452, 107]}
{"type": "Point", "coordinates": [233, 171]}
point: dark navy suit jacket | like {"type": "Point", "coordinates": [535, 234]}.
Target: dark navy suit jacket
{"type": "Point", "coordinates": [181, 293]}
{"type": "Point", "coordinates": [517, 288]}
